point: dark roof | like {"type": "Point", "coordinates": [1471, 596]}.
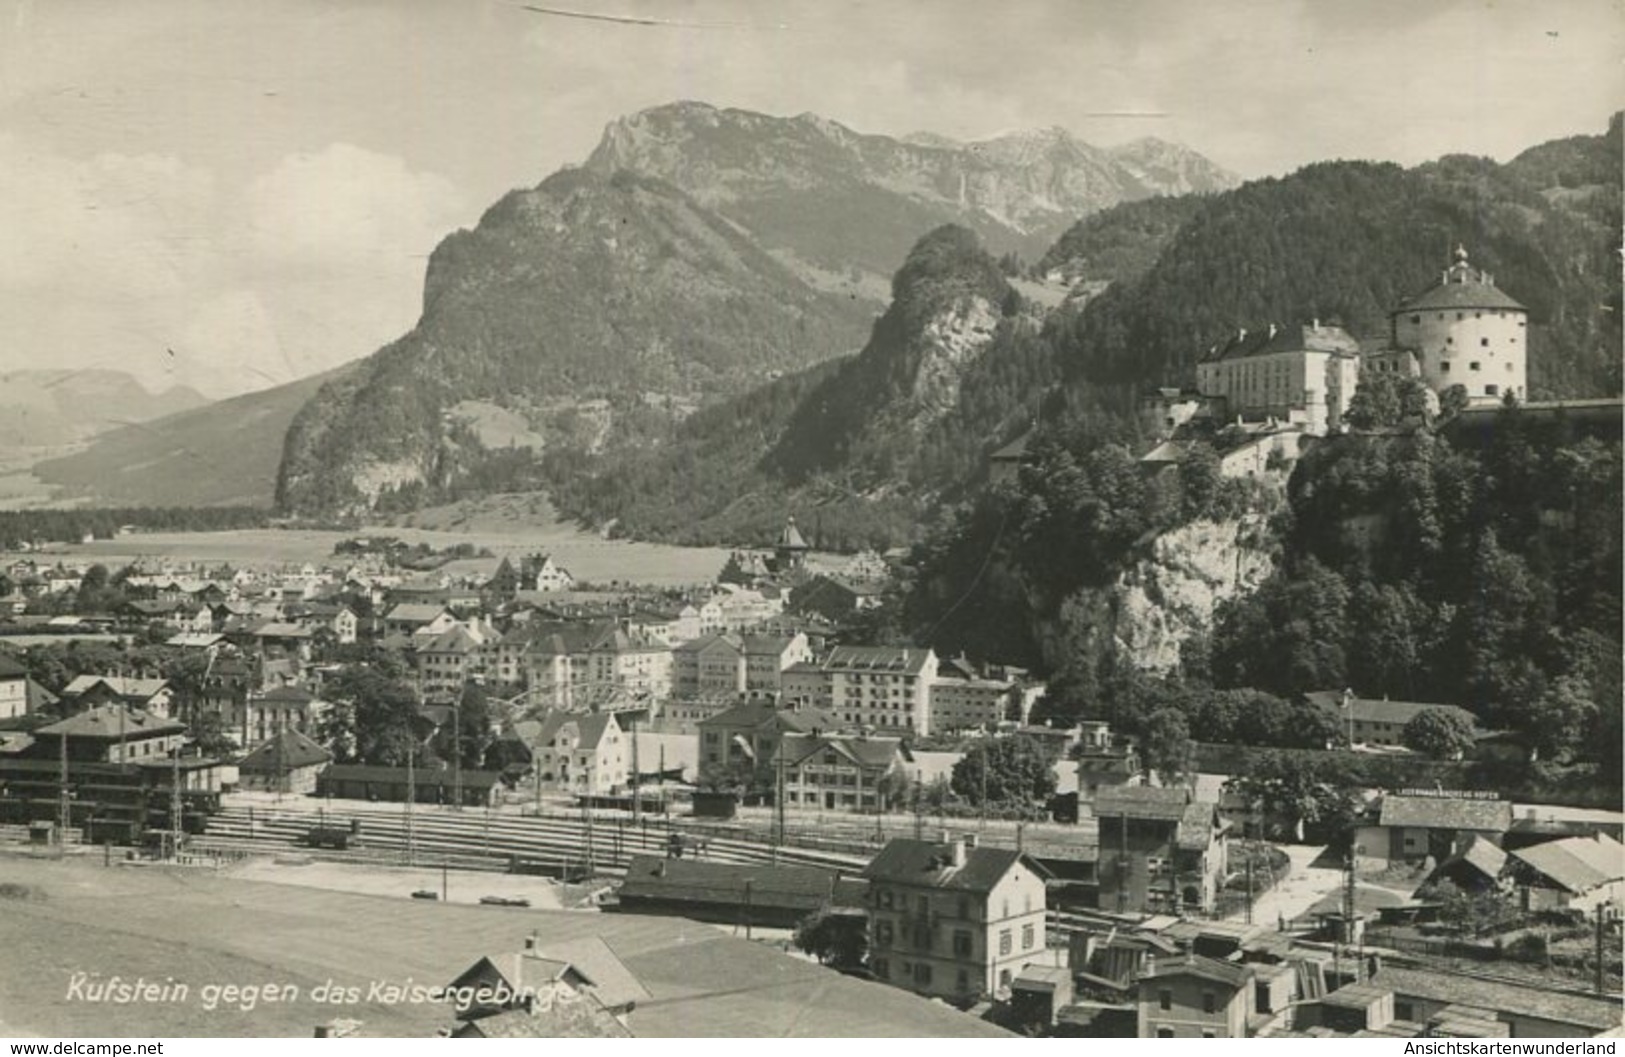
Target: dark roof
{"type": "Point", "coordinates": [10, 669]}
{"type": "Point", "coordinates": [1577, 864]}
{"type": "Point", "coordinates": [1481, 855]}
{"type": "Point", "coordinates": [870, 752]}
{"type": "Point", "coordinates": [1143, 801]}
{"type": "Point", "coordinates": [1373, 710]}
{"type": "Point", "coordinates": [924, 863]}
{"type": "Point", "coordinates": [1461, 286]}
{"type": "Point", "coordinates": [691, 881]}
{"type": "Point", "coordinates": [1599, 1013]}
{"type": "Point", "coordinates": [290, 749]}
{"type": "Point", "coordinates": [360, 772]}
{"type": "Point", "coordinates": [1428, 812]}
{"type": "Point", "coordinates": [898, 659]}
{"type": "Point", "coordinates": [1202, 967]}
{"type": "Point", "coordinates": [1308, 337]}
{"type": "Point", "coordinates": [105, 722]}
{"type": "Point", "coordinates": [590, 725]}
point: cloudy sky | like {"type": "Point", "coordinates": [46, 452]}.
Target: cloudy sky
{"type": "Point", "coordinates": [234, 194]}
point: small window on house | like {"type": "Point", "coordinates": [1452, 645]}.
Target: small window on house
{"type": "Point", "coordinates": [1416, 319]}
{"type": "Point", "coordinates": [1492, 390]}
{"type": "Point", "coordinates": [1165, 1033]}
{"type": "Point", "coordinates": [1484, 342]}
{"type": "Point", "coordinates": [1026, 937]}
{"type": "Point", "coordinates": [1165, 999]}
{"type": "Point", "coordinates": [1005, 941]}
{"type": "Point", "coordinates": [1473, 366]}
{"type": "Point", "coordinates": [1444, 366]}
{"type": "Point", "coordinates": [1208, 1035]}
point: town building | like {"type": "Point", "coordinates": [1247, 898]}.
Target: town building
{"type": "Point", "coordinates": [13, 689]}
{"type": "Point", "coordinates": [1304, 375]}
{"type": "Point", "coordinates": [1408, 828]}
{"type": "Point", "coordinates": [90, 691]}
{"type": "Point", "coordinates": [883, 688]}
{"type": "Point", "coordinates": [582, 753]}
{"type": "Point", "coordinates": [747, 735]}
{"type": "Point", "coordinates": [961, 698]}
{"type": "Point", "coordinates": [1372, 721]}
{"type": "Point", "coordinates": [114, 733]}
{"type": "Point", "coordinates": [1194, 997]}
{"type": "Point", "coordinates": [727, 893]}
{"type": "Point", "coordinates": [290, 762]}
{"type": "Point", "coordinates": [1465, 331]}
{"type": "Point", "coordinates": [448, 660]}
{"type": "Point", "coordinates": [1582, 874]}
{"type": "Point", "coordinates": [953, 919]}
{"type": "Point", "coordinates": [835, 772]}
{"type": "Point", "coordinates": [351, 781]}
{"type": "Point", "coordinates": [1161, 849]}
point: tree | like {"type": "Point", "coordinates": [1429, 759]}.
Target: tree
{"type": "Point", "coordinates": [1443, 734]}
{"type": "Point", "coordinates": [209, 735]}
{"type": "Point", "coordinates": [375, 718]}
{"type": "Point", "coordinates": [1012, 771]}
{"type": "Point", "coordinates": [1167, 743]}
{"type": "Point", "coordinates": [1299, 792]}
{"type": "Point", "coordinates": [834, 938]}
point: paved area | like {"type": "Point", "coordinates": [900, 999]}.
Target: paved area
{"type": "Point", "coordinates": [1304, 885]}
{"type": "Point", "coordinates": [460, 886]}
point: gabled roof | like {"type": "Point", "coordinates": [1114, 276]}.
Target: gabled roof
{"type": "Point", "coordinates": [1577, 864]}
{"type": "Point", "coordinates": [1305, 337]}
{"type": "Point", "coordinates": [455, 639]}
{"type": "Point", "coordinates": [1374, 710]}
{"type": "Point", "coordinates": [143, 689]}
{"type": "Point", "coordinates": [105, 722]}
{"type": "Point", "coordinates": [708, 642]}
{"type": "Point", "coordinates": [689, 880]}
{"type": "Point", "coordinates": [1204, 968]}
{"type": "Point", "coordinates": [1600, 1013]}
{"type": "Point", "coordinates": [791, 539]}
{"type": "Point", "coordinates": [1485, 816]}
{"type": "Point", "coordinates": [1481, 855]}
{"type": "Point", "coordinates": [1143, 802]}
{"type": "Point", "coordinates": [590, 727]}
{"type": "Point", "coordinates": [613, 983]}
{"type": "Point", "coordinates": [287, 750]}
{"type": "Point", "coordinates": [10, 669]}
{"type": "Point", "coordinates": [923, 863]}
{"type": "Point", "coordinates": [416, 612]}
{"type": "Point", "coordinates": [868, 752]}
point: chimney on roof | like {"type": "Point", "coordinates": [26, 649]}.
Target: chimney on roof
{"type": "Point", "coordinates": [957, 850]}
{"type": "Point", "coordinates": [1314, 324]}
{"type": "Point", "coordinates": [970, 840]}
{"type": "Point", "coordinates": [1272, 330]}
{"type": "Point", "coordinates": [1241, 335]}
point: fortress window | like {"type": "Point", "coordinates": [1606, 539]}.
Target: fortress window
{"type": "Point", "coordinates": [1449, 341]}
{"type": "Point", "coordinates": [1444, 366]}
{"type": "Point", "coordinates": [1484, 342]}
{"type": "Point", "coordinates": [1473, 366]}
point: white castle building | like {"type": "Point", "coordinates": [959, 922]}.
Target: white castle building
{"type": "Point", "coordinates": [1463, 331]}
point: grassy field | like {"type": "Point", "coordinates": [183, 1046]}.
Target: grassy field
{"type": "Point", "coordinates": [192, 928]}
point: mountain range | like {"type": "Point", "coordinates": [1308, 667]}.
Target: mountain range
{"type": "Point", "coordinates": [49, 408]}
{"type": "Point", "coordinates": [694, 330]}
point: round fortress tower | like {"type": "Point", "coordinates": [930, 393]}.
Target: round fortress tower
{"type": "Point", "coordinates": [1465, 331]}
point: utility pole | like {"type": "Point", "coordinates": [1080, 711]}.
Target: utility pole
{"type": "Point", "coordinates": [177, 819]}
{"type": "Point", "coordinates": [637, 801]}
{"type": "Point", "coordinates": [1122, 863]}
{"type": "Point", "coordinates": [778, 805]}
{"type": "Point", "coordinates": [411, 801]}
{"type": "Point", "coordinates": [457, 752]}
{"type": "Point", "coordinates": [1601, 976]}
{"type": "Point", "coordinates": [1247, 851]}
{"type": "Point", "coordinates": [64, 811]}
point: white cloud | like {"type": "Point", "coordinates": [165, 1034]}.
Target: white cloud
{"type": "Point", "coordinates": [144, 264]}
{"type": "Point", "coordinates": [348, 208]}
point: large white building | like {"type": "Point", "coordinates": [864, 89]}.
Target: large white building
{"type": "Point", "coordinates": [1465, 331]}
{"type": "Point", "coordinates": [1304, 375]}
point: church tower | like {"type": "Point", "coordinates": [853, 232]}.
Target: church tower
{"type": "Point", "coordinates": [1465, 331]}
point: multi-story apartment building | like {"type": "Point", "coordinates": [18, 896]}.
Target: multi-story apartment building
{"type": "Point", "coordinates": [1161, 849]}
{"type": "Point", "coordinates": [954, 920]}
{"type": "Point", "coordinates": [1194, 997]}
{"type": "Point", "coordinates": [882, 688]}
